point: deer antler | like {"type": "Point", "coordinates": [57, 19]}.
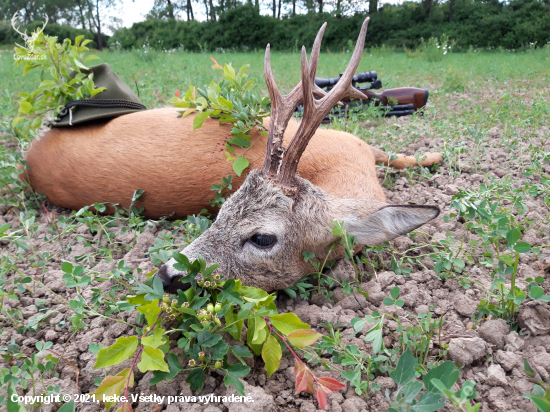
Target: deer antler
{"type": "Point", "coordinates": [43, 25]}
{"type": "Point", "coordinates": [14, 20]}
{"type": "Point", "coordinates": [280, 164]}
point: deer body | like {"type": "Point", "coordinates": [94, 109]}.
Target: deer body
{"type": "Point", "coordinates": [160, 153]}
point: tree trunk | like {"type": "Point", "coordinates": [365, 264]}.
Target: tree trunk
{"type": "Point", "coordinates": [274, 8]}
{"type": "Point", "coordinates": [451, 10]}
{"type": "Point", "coordinates": [207, 12]}
{"type": "Point", "coordinates": [99, 39]}
{"type": "Point", "coordinates": [279, 12]}
{"type": "Point", "coordinates": [294, 7]}
{"type": "Point", "coordinates": [212, 11]}
{"type": "Point", "coordinates": [170, 10]}
{"type": "Point", "coordinates": [373, 6]}
{"type": "Point", "coordinates": [257, 5]}
{"type": "Point", "coordinates": [81, 14]}
{"type": "Point", "coordinates": [222, 6]}
{"type": "Point", "coordinates": [338, 7]}
{"type": "Point", "coordinates": [320, 6]}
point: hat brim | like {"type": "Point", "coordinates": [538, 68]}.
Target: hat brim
{"type": "Point", "coordinates": [92, 113]}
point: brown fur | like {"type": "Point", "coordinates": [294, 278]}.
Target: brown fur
{"type": "Point", "coordinates": [160, 153]}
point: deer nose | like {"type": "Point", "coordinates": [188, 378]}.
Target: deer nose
{"type": "Point", "coordinates": [171, 284]}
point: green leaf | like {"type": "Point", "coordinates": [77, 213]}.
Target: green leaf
{"type": "Point", "coordinates": [228, 295]}
{"type": "Point", "coordinates": [175, 368]}
{"type": "Point", "coordinates": [152, 359]}
{"type": "Point", "coordinates": [446, 373]}
{"type": "Point", "coordinates": [239, 164]}
{"type": "Point", "coordinates": [80, 65]}
{"type": "Point", "coordinates": [25, 107]}
{"type": "Point", "coordinates": [536, 292]}
{"type": "Point", "coordinates": [429, 402]}
{"type": "Point", "coordinates": [271, 354]}
{"type": "Point", "coordinates": [404, 370]}
{"type": "Point", "coordinates": [513, 236]}
{"type": "Point", "coordinates": [199, 120]}
{"type": "Point", "coordinates": [156, 340]}
{"type": "Point", "coordinates": [68, 407]}
{"type": "Point", "coordinates": [219, 350]}
{"type": "Point", "coordinates": [394, 292]}
{"type": "Point", "coordinates": [522, 247]}
{"type": "Point", "coordinates": [122, 349]}
{"type": "Point", "coordinates": [375, 336]}
{"type": "Point", "coordinates": [150, 311]}
{"type": "Point", "coordinates": [241, 351]}
{"type": "Point", "coordinates": [542, 404]}
{"type": "Point", "coordinates": [288, 323]}
{"type": "Point", "coordinates": [13, 406]}
{"type": "Point", "coordinates": [303, 337]}
{"type": "Point", "coordinates": [206, 339]}
{"type": "Point", "coordinates": [358, 324]}
{"type": "Point", "coordinates": [196, 379]}
{"type": "Point", "coordinates": [260, 331]}
{"type": "Point", "coordinates": [412, 389]}
{"type": "Point", "coordinates": [236, 326]}
{"type": "Point", "coordinates": [234, 372]}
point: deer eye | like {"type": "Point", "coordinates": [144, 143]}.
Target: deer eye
{"type": "Point", "coordinates": [263, 241]}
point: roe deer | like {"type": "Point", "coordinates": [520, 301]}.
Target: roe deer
{"type": "Point", "coordinates": [263, 228]}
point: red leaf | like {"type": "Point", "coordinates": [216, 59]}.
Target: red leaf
{"type": "Point", "coordinates": [177, 93]}
{"type": "Point", "coordinates": [321, 398]}
{"type": "Point", "coordinates": [298, 366]}
{"type": "Point", "coordinates": [214, 60]}
{"type": "Point", "coordinates": [331, 384]}
{"type": "Point", "coordinates": [301, 381]}
{"type": "Point", "coordinates": [309, 378]}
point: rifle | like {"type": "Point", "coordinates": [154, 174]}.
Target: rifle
{"type": "Point", "coordinates": [406, 100]}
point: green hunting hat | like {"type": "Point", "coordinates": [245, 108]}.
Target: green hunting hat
{"type": "Point", "coordinates": [116, 100]}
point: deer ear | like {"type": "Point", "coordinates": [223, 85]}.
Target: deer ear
{"type": "Point", "coordinates": [388, 222]}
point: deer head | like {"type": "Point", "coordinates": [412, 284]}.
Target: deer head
{"type": "Point", "coordinates": [29, 40]}
{"type": "Point", "coordinates": [263, 228]}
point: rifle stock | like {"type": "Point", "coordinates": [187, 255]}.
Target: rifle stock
{"type": "Point", "coordinates": [402, 95]}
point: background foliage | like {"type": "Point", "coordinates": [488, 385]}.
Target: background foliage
{"type": "Point", "coordinates": [235, 26]}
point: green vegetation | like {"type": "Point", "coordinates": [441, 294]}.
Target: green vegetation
{"type": "Point", "coordinates": [513, 25]}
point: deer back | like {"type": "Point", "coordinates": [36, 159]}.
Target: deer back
{"type": "Point", "coordinates": [160, 153]}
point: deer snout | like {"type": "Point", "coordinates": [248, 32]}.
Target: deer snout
{"type": "Point", "coordinates": [170, 278]}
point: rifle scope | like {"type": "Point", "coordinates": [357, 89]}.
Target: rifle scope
{"type": "Point", "coordinates": [358, 78]}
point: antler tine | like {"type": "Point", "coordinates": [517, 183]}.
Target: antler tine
{"type": "Point", "coordinates": [344, 87]}
{"type": "Point", "coordinates": [316, 110]}
{"type": "Point", "coordinates": [282, 108]}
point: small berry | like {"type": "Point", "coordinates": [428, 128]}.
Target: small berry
{"type": "Point", "coordinates": [185, 305]}
{"type": "Point", "coordinates": [174, 302]}
{"type": "Point", "coordinates": [207, 284]}
{"type": "Point", "coordinates": [210, 307]}
{"type": "Point", "coordinates": [201, 284]}
{"type": "Point", "coordinates": [218, 307]}
{"type": "Point", "coordinates": [168, 310]}
{"type": "Point", "coordinates": [217, 321]}
{"type": "Point", "coordinates": [202, 355]}
{"type": "Point", "coordinates": [166, 298]}
{"type": "Point", "coordinates": [192, 362]}
{"type": "Point", "coordinates": [213, 284]}
{"type": "Point", "coordinates": [218, 365]}
{"type": "Point", "coordinates": [216, 276]}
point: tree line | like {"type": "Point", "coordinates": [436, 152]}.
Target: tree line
{"type": "Point", "coordinates": [246, 25]}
